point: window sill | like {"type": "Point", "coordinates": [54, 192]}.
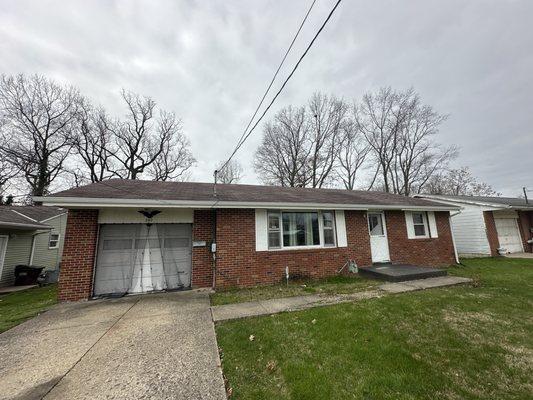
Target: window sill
{"type": "Point", "coordinates": [299, 249]}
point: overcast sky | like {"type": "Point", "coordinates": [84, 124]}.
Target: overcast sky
{"type": "Point", "coordinates": [209, 61]}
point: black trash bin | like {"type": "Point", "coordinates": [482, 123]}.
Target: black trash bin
{"type": "Point", "coordinates": [26, 274]}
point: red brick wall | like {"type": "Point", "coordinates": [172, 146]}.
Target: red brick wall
{"type": "Point", "coordinates": [238, 264]}
{"type": "Point", "coordinates": [525, 222]}
{"type": "Point", "coordinates": [492, 233]}
{"type": "Point", "coordinates": [76, 276]}
{"type": "Point", "coordinates": [426, 252]}
{"type": "Point", "coordinates": [202, 261]}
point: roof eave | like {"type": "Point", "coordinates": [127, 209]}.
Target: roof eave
{"type": "Point", "coordinates": [22, 226]}
{"type": "Point", "coordinates": [79, 202]}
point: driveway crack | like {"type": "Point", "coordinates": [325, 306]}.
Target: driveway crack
{"type": "Point", "coordinates": [90, 348]}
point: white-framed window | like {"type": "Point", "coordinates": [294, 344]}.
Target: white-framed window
{"type": "Point", "coordinates": [53, 242]}
{"type": "Point", "coordinates": [420, 224]}
{"type": "Point", "coordinates": [299, 229]}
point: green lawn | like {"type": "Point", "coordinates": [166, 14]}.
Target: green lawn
{"type": "Point", "coordinates": [333, 285]}
{"type": "Point", "coordinates": [17, 307]}
{"type": "Point", "coordinates": [464, 342]}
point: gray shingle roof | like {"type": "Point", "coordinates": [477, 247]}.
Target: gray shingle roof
{"type": "Point", "coordinates": [38, 213]}
{"type": "Point", "coordinates": [191, 191]}
{"type": "Point", "coordinates": [513, 202]}
{"type": "Point", "coordinates": [27, 217]}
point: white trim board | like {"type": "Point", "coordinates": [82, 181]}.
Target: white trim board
{"type": "Point", "coordinates": [80, 202]}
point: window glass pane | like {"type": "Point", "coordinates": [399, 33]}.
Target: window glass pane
{"type": "Point", "coordinates": [273, 221]}
{"type": "Point", "coordinates": [375, 225]}
{"type": "Point", "coordinates": [274, 240]}
{"type": "Point", "coordinates": [418, 218]}
{"type": "Point", "coordinates": [117, 244]}
{"type": "Point", "coordinates": [420, 230]}
{"type": "Point", "coordinates": [152, 243]}
{"type": "Point", "coordinates": [329, 237]}
{"type": "Point", "coordinates": [300, 229]}
{"type": "Point", "coordinates": [328, 219]}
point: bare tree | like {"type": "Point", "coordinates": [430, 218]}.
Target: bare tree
{"type": "Point", "coordinates": [7, 173]}
{"type": "Point", "coordinates": [418, 156]}
{"type": "Point", "coordinates": [282, 158]}
{"type": "Point", "coordinates": [231, 173]}
{"type": "Point", "coordinates": [93, 145]}
{"type": "Point", "coordinates": [458, 182]}
{"type": "Point", "coordinates": [351, 155]}
{"type": "Point", "coordinates": [326, 116]}
{"type": "Point", "coordinates": [37, 136]}
{"type": "Point", "coordinates": [400, 131]}
{"type": "Point", "coordinates": [146, 143]}
{"type": "Point", "coordinates": [378, 118]}
{"type": "Point", "coordinates": [300, 145]}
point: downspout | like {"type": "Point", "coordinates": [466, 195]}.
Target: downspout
{"type": "Point", "coordinates": [453, 238]}
{"type": "Point", "coordinates": [214, 246]}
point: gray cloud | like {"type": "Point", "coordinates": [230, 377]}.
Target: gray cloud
{"type": "Point", "coordinates": [210, 61]}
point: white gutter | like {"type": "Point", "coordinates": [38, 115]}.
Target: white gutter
{"type": "Point", "coordinates": [497, 206]}
{"type": "Point", "coordinates": [80, 202]}
{"type": "Point", "coordinates": [17, 225]}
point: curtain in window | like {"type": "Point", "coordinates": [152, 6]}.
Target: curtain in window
{"type": "Point", "coordinates": [300, 229]}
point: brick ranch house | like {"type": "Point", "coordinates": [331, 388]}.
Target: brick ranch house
{"type": "Point", "coordinates": [125, 236]}
{"type": "Point", "coordinates": [489, 226]}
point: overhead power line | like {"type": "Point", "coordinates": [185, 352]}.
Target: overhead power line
{"type": "Point", "coordinates": [276, 73]}
{"type": "Point", "coordinates": [247, 135]}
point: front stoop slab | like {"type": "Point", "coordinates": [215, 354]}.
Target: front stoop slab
{"type": "Point", "coordinates": [298, 303]}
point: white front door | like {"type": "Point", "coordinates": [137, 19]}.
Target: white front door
{"type": "Point", "coordinates": [379, 244]}
{"type": "Point", "coordinates": [509, 235]}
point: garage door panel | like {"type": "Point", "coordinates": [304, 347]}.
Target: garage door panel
{"type": "Point", "coordinates": [138, 258]}
{"type": "Point", "coordinates": [508, 234]}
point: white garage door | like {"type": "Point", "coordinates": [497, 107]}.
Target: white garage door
{"type": "Point", "coordinates": [508, 234]}
{"type": "Point", "coordinates": [137, 258]}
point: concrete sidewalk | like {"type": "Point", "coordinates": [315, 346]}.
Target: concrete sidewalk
{"type": "Point", "coordinates": [296, 303]}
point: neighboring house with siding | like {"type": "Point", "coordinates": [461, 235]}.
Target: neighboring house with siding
{"type": "Point", "coordinates": [133, 236]}
{"type": "Point", "coordinates": [30, 235]}
{"type": "Point", "coordinates": [490, 225]}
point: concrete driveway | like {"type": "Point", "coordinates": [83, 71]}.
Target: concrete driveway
{"type": "Point", "coordinates": [158, 346]}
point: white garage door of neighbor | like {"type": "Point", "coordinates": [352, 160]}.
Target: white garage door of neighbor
{"type": "Point", "coordinates": [508, 234]}
{"type": "Point", "coordinates": [137, 258]}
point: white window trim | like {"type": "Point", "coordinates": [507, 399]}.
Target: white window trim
{"type": "Point", "coordinates": [320, 231]}
{"type": "Point", "coordinates": [425, 222]}
{"type": "Point", "coordinates": [50, 239]}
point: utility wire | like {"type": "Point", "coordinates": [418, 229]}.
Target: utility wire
{"type": "Point", "coordinates": [275, 74]}
{"type": "Point", "coordinates": [245, 137]}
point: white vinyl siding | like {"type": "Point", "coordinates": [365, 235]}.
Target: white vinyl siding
{"type": "Point", "coordinates": [17, 252]}
{"type": "Point", "coordinates": [133, 216]}
{"type": "Point", "coordinates": [470, 232]}
{"type": "Point", "coordinates": [43, 255]}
